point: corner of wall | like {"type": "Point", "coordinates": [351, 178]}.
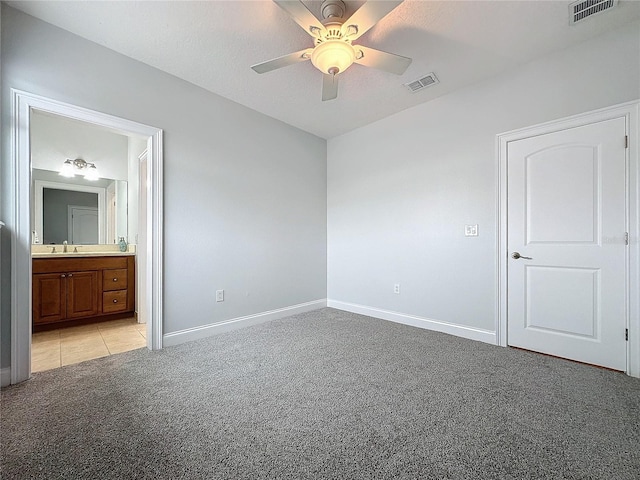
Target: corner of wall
{"type": "Point", "coordinates": [5, 377]}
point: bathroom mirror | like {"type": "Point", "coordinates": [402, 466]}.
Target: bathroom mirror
{"type": "Point", "coordinates": [77, 210]}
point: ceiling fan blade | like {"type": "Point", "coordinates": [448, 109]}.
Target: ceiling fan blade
{"type": "Point", "coordinates": [329, 87]}
{"type": "Point", "coordinates": [283, 61]}
{"type": "Point", "coordinates": [388, 62]}
{"type": "Point", "coordinates": [366, 17]}
{"type": "Point", "coordinates": [302, 16]}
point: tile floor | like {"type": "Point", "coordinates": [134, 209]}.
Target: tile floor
{"type": "Point", "coordinates": [57, 348]}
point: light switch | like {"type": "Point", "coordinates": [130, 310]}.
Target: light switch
{"type": "Point", "coordinates": [471, 230]}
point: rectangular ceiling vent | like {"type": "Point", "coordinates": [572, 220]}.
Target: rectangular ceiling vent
{"type": "Point", "coordinates": [583, 9]}
{"type": "Point", "coordinates": [427, 80]}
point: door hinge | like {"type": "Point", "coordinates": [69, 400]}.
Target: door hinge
{"type": "Point", "coordinates": [626, 334]}
{"type": "Point", "coordinates": [626, 238]}
{"type": "Point", "coordinates": [626, 141]}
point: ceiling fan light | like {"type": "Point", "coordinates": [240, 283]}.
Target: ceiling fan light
{"type": "Point", "coordinates": [333, 54]}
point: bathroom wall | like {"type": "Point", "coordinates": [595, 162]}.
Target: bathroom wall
{"type": "Point", "coordinates": [121, 211]}
{"type": "Point", "coordinates": [55, 138]}
{"type": "Point", "coordinates": [135, 147]}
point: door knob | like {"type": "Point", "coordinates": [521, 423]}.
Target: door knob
{"type": "Point", "coordinates": [516, 256]}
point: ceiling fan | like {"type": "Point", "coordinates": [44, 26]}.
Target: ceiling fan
{"type": "Point", "coordinates": [334, 51]}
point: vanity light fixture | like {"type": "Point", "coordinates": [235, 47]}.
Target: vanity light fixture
{"type": "Point", "coordinates": [79, 166]}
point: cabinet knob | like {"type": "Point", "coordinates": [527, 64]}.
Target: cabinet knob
{"type": "Point", "coordinates": [63, 275]}
{"type": "Point", "coordinates": [115, 279]}
{"type": "Point", "coordinates": [115, 301]}
{"type": "Point", "coordinates": [71, 274]}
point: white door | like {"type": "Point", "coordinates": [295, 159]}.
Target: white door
{"type": "Point", "coordinates": [83, 225]}
{"type": "Point", "coordinates": [566, 212]}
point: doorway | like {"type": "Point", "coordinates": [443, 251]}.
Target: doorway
{"type": "Point", "coordinates": [149, 253]}
{"type": "Point", "coordinates": [567, 210]}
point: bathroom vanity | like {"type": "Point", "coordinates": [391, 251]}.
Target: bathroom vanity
{"type": "Point", "coordinates": [72, 288]}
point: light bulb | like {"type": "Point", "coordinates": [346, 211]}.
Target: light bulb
{"type": "Point", "coordinates": [92, 173]}
{"type": "Point", "coordinates": [67, 169]}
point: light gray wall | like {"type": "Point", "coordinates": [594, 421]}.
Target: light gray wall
{"type": "Point", "coordinates": [401, 190]}
{"type": "Point", "coordinates": [244, 194]}
{"type": "Point", "coordinates": [55, 204]}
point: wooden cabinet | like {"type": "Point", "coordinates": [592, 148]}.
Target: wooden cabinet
{"type": "Point", "coordinates": [49, 298]}
{"type": "Point", "coordinates": [82, 294]}
{"type": "Point", "coordinates": [82, 288]}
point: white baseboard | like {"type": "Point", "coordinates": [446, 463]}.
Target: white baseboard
{"type": "Point", "coordinates": [471, 333]}
{"type": "Point", "coordinates": [189, 334]}
{"type": "Point", "coordinates": [5, 377]}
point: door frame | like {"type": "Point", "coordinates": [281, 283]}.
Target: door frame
{"type": "Point", "coordinates": [19, 222]}
{"type": "Point", "coordinates": [631, 112]}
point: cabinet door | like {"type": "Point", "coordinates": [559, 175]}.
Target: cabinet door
{"type": "Point", "coordinates": [49, 297]}
{"type": "Point", "coordinates": [82, 294]}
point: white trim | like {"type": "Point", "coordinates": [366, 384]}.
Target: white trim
{"type": "Point", "coordinates": [463, 331]}
{"type": "Point", "coordinates": [631, 112]}
{"type": "Point", "coordinates": [38, 210]}
{"type": "Point", "coordinates": [20, 228]}
{"type": "Point", "coordinates": [195, 333]}
{"type": "Point", "coordinates": [5, 377]}
{"type": "Point", "coordinates": [155, 247]}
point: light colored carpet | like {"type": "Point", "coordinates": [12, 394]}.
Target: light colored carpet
{"type": "Point", "coordinates": [326, 394]}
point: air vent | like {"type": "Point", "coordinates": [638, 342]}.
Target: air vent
{"type": "Point", "coordinates": [583, 9]}
{"type": "Point", "coordinates": [423, 82]}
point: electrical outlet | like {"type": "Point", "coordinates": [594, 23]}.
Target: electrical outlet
{"type": "Point", "coordinates": [396, 289]}
{"type": "Point", "coordinates": [471, 230]}
{"type": "Point", "coordinates": [219, 295]}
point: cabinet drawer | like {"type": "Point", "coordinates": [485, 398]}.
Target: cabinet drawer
{"type": "Point", "coordinates": [115, 301]}
{"type": "Point", "coordinates": [114, 279]}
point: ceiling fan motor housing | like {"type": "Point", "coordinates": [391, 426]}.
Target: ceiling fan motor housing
{"type": "Point", "coordinates": [332, 9]}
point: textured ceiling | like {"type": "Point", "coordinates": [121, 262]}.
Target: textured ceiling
{"type": "Point", "coordinates": [214, 43]}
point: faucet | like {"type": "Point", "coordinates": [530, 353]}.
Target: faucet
{"type": "Point", "coordinates": [53, 249]}
{"type": "Point", "coordinates": [64, 247]}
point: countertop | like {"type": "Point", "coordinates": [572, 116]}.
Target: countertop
{"type": "Point", "coordinates": [81, 254]}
